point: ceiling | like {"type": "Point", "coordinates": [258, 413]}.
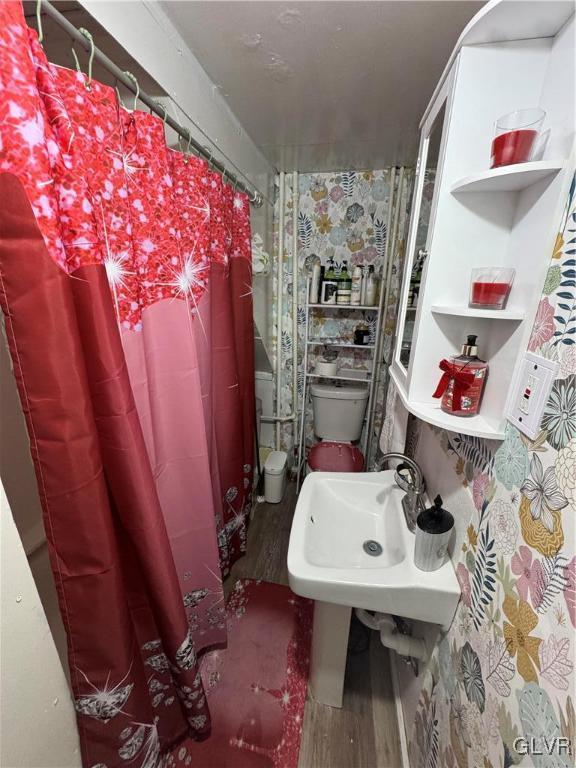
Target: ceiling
{"type": "Point", "coordinates": [326, 85]}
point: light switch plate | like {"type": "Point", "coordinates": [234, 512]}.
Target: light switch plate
{"type": "Point", "coordinates": [530, 392]}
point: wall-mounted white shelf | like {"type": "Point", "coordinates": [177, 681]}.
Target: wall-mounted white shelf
{"type": "Point", "coordinates": [471, 425]}
{"type": "Point", "coordinates": [433, 414]}
{"type": "Point", "coordinates": [342, 306]}
{"type": "Point", "coordinates": [322, 343]}
{"type": "Point", "coordinates": [467, 225]}
{"type": "Point", "coordinates": [509, 178]}
{"type": "Point", "coordinates": [515, 315]}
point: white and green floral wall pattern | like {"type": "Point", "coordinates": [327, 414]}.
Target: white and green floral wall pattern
{"type": "Point", "coordinates": [341, 215]}
{"type": "Point", "coordinates": [505, 669]}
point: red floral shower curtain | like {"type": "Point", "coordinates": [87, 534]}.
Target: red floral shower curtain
{"type": "Point", "coordinates": [126, 290]}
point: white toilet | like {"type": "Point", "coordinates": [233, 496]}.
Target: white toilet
{"type": "Point", "coordinates": [338, 419]}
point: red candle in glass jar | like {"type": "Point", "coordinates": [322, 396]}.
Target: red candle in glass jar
{"type": "Point", "coordinates": [490, 287]}
{"type": "Point", "coordinates": [489, 293]}
{"type": "Point", "coordinates": [512, 147]}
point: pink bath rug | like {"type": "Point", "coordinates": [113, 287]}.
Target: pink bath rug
{"type": "Point", "coordinates": [256, 687]}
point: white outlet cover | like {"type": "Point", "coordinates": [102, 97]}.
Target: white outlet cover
{"type": "Point", "coordinates": [530, 392]}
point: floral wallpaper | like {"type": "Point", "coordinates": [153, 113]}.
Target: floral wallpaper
{"type": "Point", "coordinates": [505, 669]}
{"type": "Point", "coordinates": [343, 216]}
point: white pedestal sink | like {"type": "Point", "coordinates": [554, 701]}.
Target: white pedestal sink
{"type": "Point", "coordinates": [350, 548]}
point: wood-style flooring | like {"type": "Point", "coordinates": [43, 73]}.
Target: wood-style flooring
{"type": "Point", "coordinates": [364, 733]}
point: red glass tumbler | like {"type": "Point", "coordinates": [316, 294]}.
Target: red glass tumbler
{"type": "Point", "coordinates": [490, 287]}
{"type": "Point", "coordinates": [515, 136]}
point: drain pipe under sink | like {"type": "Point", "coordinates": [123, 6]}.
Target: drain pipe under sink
{"type": "Point", "coordinates": [390, 637]}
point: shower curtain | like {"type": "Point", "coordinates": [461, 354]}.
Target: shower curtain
{"type": "Point", "coordinates": [126, 292]}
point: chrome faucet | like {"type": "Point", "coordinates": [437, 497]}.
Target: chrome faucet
{"type": "Point", "coordinates": [409, 477]}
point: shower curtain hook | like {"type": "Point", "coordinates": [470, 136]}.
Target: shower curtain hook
{"type": "Point", "coordinates": [75, 57]}
{"type": "Point", "coordinates": [187, 152]}
{"type": "Point", "coordinates": [120, 102]}
{"type": "Point", "coordinates": [159, 103]}
{"type": "Point", "coordinates": [89, 37]}
{"type": "Point", "coordinates": [39, 20]}
{"type": "Point", "coordinates": [130, 76]}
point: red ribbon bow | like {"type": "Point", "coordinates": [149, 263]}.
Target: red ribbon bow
{"type": "Point", "coordinates": [462, 381]}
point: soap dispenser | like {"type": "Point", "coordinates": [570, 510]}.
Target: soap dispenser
{"type": "Point", "coordinates": [433, 530]}
{"type": "Point", "coordinates": [463, 380]}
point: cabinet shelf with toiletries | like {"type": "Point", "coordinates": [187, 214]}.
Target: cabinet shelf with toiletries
{"type": "Point", "coordinates": [343, 306]}
{"type": "Point", "coordinates": [339, 377]}
{"type": "Point", "coordinates": [467, 216]}
{"type": "Point", "coordinates": [364, 355]}
{"type": "Point", "coordinates": [326, 343]}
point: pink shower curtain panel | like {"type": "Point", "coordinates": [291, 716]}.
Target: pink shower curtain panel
{"type": "Point", "coordinates": [137, 291]}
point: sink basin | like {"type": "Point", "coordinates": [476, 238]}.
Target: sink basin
{"type": "Point", "coordinates": [346, 515]}
{"type": "Point", "coordinates": [350, 545]}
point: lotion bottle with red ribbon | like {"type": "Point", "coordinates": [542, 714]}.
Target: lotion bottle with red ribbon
{"type": "Point", "coordinates": [462, 384]}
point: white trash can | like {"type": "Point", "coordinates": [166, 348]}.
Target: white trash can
{"type": "Point", "coordinates": [275, 476]}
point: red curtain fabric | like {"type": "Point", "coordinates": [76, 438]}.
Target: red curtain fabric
{"type": "Point", "coordinates": [242, 308]}
{"type": "Point", "coordinates": [226, 402]}
{"type": "Point", "coordinates": [215, 237]}
{"type": "Point", "coordinates": [126, 290]}
{"type": "Point", "coordinates": [128, 638]}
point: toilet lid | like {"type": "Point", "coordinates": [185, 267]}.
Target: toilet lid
{"type": "Point", "coordinates": [335, 457]}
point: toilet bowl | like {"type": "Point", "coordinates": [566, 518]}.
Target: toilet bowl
{"type": "Point", "coordinates": [338, 413]}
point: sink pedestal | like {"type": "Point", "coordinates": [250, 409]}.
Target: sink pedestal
{"type": "Point", "coordinates": [329, 647]}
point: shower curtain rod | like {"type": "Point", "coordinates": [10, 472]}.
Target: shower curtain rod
{"type": "Point", "coordinates": [254, 196]}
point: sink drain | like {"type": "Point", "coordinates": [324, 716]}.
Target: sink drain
{"type": "Point", "coordinates": [372, 548]}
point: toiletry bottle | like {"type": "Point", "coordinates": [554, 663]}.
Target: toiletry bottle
{"type": "Point", "coordinates": [363, 287]}
{"type": "Point", "coordinates": [338, 273]}
{"type": "Point", "coordinates": [433, 531]}
{"type": "Point", "coordinates": [344, 286]}
{"type": "Point", "coordinates": [361, 334]}
{"type": "Point", "coordinates": [315, 282]}
{"type": "Point", "coordinates": [371, 287]}
{"type": "Point", "coordinates": [329, 284]}
{"type": "Point", "coordinates": [462, 384]}
{"type": "Point", "coordinates": [356, 292]}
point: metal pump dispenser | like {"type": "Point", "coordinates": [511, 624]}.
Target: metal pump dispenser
{"type": "Point", "coordinates": [470, 349]}
{"type": "Point", "coordinates": [433, 531]}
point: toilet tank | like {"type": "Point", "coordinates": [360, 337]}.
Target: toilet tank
{"type": "Point", "coordinates": [338, 411]}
